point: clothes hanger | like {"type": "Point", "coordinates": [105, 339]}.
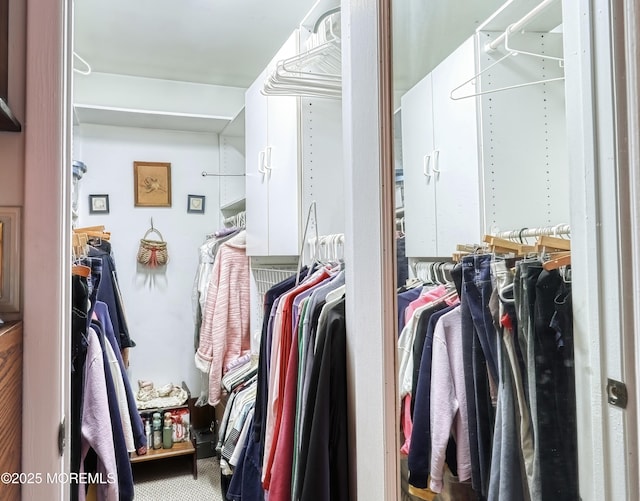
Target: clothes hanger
{"type": "Point", "coordinates": [552, 244]}
{"type": "Point", "coordinates": [526, 53]}
{"type": "Point", "coordinates": [558, 260]}
{"type": "Point", "coordinates": [87, 67]}
{"type": "Point", "coordinates": [85, 229]}
{"type": "Point", "coordinates": [81, 270]}
{"type": "Point", "coordinates": [510, 53]}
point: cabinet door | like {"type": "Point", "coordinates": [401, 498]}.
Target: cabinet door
{"type": "Point", "coordinates": [455, 159]}
{"type": "Point", "coordinates": [256, 179]}
{"type": "Point", "coordinates": [282, 166]}
{"type": "Point", "coordinates": [417, 162]}
{"type": "Point", "coordinates": [283, 176]}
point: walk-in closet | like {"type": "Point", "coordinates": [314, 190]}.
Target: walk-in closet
{"type": "Point", "coordinates": [321, 250]}
{"type": "Point", "coordinates": [216, 185]}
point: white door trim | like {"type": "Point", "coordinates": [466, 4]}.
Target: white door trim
{"type": "Point", "coordinates": [629, 25]}
{"type": "Point", "coordinates": [370, 250]}
{"type": "Point", "coordinates": [599, 274]}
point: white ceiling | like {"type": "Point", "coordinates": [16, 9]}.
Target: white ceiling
{"type": "Point", "coordinates": [425, 32]}
{"type": "Point", "coordinates": [224, 42]}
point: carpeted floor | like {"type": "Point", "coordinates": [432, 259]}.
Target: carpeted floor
{"type": "Point", "coordinates": [172, 480]}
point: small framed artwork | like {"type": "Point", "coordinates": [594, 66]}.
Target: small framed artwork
{"type": "Point", "coordinates": [152, 184]}
{"type": "Point", "coordinates": [195, 204]}
{"type": "Point", "coordinates": [10, 227]}
{"type": "Point", "coordinates": [98, 204]}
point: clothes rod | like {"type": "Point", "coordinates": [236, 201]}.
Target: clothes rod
{"type": "Point", "coordinates": [204, 174]}
{"type": "Point", "coordinates": [519, 25]}
{"type": "Point", "coordinates": [560, 229]}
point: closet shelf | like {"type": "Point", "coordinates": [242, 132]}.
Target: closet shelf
{"type": "Point", "coordinates": [149, 119]}
{"type": "Point", "coordinates": [178, 449]}
{"type": "Point", "coordinates": [235, 128]}
{"type": "Point", "coordinates": [233, 207]}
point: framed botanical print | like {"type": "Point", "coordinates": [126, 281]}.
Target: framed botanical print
{"type": "Point", "coordinates": [152, 184]}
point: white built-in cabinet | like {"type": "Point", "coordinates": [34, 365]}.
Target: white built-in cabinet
{"type": "Point", "coordinates": [440, 160]}
{"type": "Point", "coordinates": [293, 158]}
{"type": "Point", "coordinates": [495, 157]}
{"type": "Point", "coordinates": [272, 166]}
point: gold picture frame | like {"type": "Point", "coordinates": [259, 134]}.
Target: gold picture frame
{"type": "Point", "coordinates": [152, 184]}
{"type": "Point", "coordinates": [10, 266]}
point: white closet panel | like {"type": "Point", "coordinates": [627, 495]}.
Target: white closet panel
{"type": "Point", "coordinates": [256, 179]}
{"type": "Point", "coordinates": [525, 160]}
{"type": "Point", "coordinates": [455, 162]}
{"type": "Point", "coordinates": [281, 165]}
{"type": "Point", "coordinates": [419, 185]}
{"type": "Point", "coordinates": [440, 158]}
{"type": "Point", "coordinates": [272, 163]}
{"type": "Point", "coordinates": [322, 164]}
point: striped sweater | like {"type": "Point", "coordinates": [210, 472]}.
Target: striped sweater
{"type": "Point", "coordinates": [224, 334]}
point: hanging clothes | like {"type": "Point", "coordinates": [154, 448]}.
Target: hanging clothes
{"type": "Point", "coordinates": [206, 257]}
{"type": "Point", "coordinates": [495, 394]}
{"type": "Point", "coordinates": [105, 424]}
{"type": "Point", "coordinates": [303, 349]}
{"type": "Point", "coordinates": [109, 294]}
{"type": "Point", "coordinates": [225, 334]}
{"type": "Point", "coordinates": [96, 431]}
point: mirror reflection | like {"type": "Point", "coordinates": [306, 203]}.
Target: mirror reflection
{"type": "Point", "coordinates": [485, 344]}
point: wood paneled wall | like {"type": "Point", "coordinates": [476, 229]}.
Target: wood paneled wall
{"type": "Point", "coordinates": [10, 406]}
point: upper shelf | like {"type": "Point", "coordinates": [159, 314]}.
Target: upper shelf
{"type": "Point", "coordinates": [125, 117]}
{"type": "Point", "coordinates": [235, 127]}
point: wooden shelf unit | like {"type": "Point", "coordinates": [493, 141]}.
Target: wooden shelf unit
{"type": "Point", "coordinates": [187, 448]}
{"type": "Point", "coordinates": [178, 449]}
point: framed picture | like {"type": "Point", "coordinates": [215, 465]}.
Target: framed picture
{"type": "Point", "coordinates": [98, 204]}
{"type": "Point", "coordinates": [195, 203]}
{"type": "Point", "coordinates": [10, 228]}
{"type": "Point", "coordinates": [152, 184]}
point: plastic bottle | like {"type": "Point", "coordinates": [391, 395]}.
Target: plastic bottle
{"type": "Point", "coordinates": [147, 432]}
{"type": "Point", "coordinates": [167, 431]}
{"type": "Point", "coordinates": [157, 431]}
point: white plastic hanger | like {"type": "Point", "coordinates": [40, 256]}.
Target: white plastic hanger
{"type": "Point", "coordinates": [87, 70]}
{"type": "Point", "coordinates": [511, 52]}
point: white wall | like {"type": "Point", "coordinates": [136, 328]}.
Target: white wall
{"type": "Point", "coordinates": [158, 303]}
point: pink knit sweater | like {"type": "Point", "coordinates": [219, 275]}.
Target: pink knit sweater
{"type": "Point", "coordinates": [224, 334]}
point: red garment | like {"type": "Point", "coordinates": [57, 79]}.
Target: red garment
{"type": "Point", "coordinates": [285, 348]}
{"type": "Point", "coordinates": [280, 486]}
{"type": "Point", "coordinates": [407, 424]}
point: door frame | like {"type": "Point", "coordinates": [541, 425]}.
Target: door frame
{"type": "Point", "coordinates": [47, 235]}
{"type": "Point", "coordinates": [370, 249]}
{"type": "Point", "coordinates": [602, 315]}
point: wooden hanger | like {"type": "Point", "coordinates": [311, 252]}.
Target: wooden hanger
{"type": "Point", "coordinates": [504, 246]}
{"type": "Point", "coordinates": [557, 260]}
{"type": "Point", "coordinates": [79, 242]}
{"type": "Point", "coordinates": [89, 228]}
{"type": "Point", "coordinates": [552, 244]}
{"type": "Point", "coordinates": [80, 270]}
{"type": "Point", "coordinates": [103, 235]}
